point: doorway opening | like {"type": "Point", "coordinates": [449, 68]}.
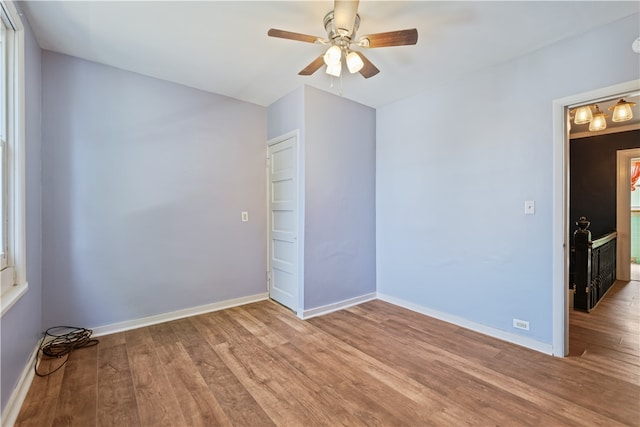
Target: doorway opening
{"type": "Point", "coordinates": [561, 221]}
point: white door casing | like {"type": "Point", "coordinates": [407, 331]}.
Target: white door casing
{"type": "Point", "coordinates": [283, 219]}
{"type": "Point", "coordinates": [561, 247]}
{"type": "Point", "coordinates": [623, 212]}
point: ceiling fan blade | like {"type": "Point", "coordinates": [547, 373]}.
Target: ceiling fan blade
{"type": "Point", "coordinates": [344, 15]}
{"type": "Point", "coordinates": [392, 38]}
{"type": "Point", "coordinates": [313, 67]}
{"type": "Point", "coordinates": [292, 36]}
{"type": "Point", "coordinates": [368, 70]}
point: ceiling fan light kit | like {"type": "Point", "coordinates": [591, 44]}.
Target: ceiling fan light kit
{"type": "Point", "coordinates": [334, 69]}
{"type": "Point", "coordinates": [341, 25]}
{"type": "Point", "coordinates": [333, 55]}
{"type": "Point", "coordinates": [354, 62]}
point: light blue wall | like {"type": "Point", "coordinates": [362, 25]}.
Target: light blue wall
{"type": "Point", "coordinates": [454, 167]}
{"type": "Point", "coordinates": [635, 225]}
{"type": "Point", "coordinates": [20, 326]}
{"type": "Point", "coordinates": [286, 115]}
{"type": "Point", "coordinates": [337, 138]}
{"type": "Point", "coordinates": [635, 237]}
{"type": "Point", "coordinates": [339, 199]}
{"type": "Point", "coordinates": [143, 185]}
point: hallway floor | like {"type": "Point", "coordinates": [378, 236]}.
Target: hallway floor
{"type": "Point", "coordinates": [635, 272]}
{"type": "Point", "coordinates": [608, 338]}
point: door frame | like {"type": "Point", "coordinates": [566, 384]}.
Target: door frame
{"type": "Point", "coordinates": [560, 211]}
{"type": "Point", "coordinates": [300, 208]}
{"type": "Point", "coordinates": [623, 212]}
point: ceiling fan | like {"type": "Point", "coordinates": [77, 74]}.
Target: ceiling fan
{"type": "Point", "coordinates": [341, 25]}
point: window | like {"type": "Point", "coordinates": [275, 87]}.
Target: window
{"type": "Point", "coordinates": [12, 132]}
{"type": "Point", "coordinates": [4, 33]}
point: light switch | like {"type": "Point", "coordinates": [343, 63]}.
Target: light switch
{"type": "Point", "coordinates": [529, 207]}
{"type": "Point", "coordinates": [245, 216]}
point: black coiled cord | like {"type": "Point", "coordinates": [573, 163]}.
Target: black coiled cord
{"type": "Point", "coordinates": [65, 340]}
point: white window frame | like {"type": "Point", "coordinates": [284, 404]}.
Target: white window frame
{"type": "Point", "coordinates": [13, 280]}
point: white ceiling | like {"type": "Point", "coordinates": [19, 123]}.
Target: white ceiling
{"type": "Point", "coordinates": [223, 47]}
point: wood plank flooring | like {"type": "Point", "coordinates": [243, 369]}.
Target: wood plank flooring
{"type": "Point", "coordinates": [370, 365]}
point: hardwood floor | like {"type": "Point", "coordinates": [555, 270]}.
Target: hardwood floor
{"type": "Point", "coordinates": [374, 364]}
{"type": "Point", "coordinates": [608, 338]}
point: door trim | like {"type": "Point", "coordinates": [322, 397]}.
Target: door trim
{"type": "Point", "coordinates": [300, 232]}
{"type": "Point", "coordinates": [560, 245]}
{"type": "Point", "coordinates": [623, 212]}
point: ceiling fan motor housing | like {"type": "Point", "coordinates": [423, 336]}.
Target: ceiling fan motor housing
{"type": "Point", "coordinates": [341, 37]}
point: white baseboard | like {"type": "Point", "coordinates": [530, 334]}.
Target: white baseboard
{"type": "Point", "coordinates": [174, 315]}
{"type": "Point", "coordinates": [468, 324]}
{"type": "Point", "coordinates": [329, 308]}
{"type": "Point", "coordinates": [14, 404]}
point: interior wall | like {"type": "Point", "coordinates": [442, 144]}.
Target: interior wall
{"type": "Point", "coordinates": [593, 179]}
{"type": "Point", "coordinates": [286, 115]}
{"type": "Point", "coordinates": [20, 326]}
{"type": "Point", "coordinates": [337, 139]}
{"type": "Point", "coordinates": [143, 185]}
{"type": "Point", "coordinates": [451, 232]}
{"type": "Point", "coordinates": [340, 199]}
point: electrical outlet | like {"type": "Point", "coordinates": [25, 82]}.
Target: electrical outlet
{"type": "Point", "coordinates": [245, 216]}
{"type": "Point", "coordinates": [521, 324]}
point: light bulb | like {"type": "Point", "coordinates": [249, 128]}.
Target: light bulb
{"type": "Point", "coordinates": [598, 122]}
{"type": "Point", "coordinates": [354, 62]}
{"type": "Point", "coordinates": [333, 55]}
{"type": "Point", "coordinates": [622, 111]}
{"type": "Point", "coordinates": [334, 69]}
{"type": "Point", "coordinates": [583, 115]}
